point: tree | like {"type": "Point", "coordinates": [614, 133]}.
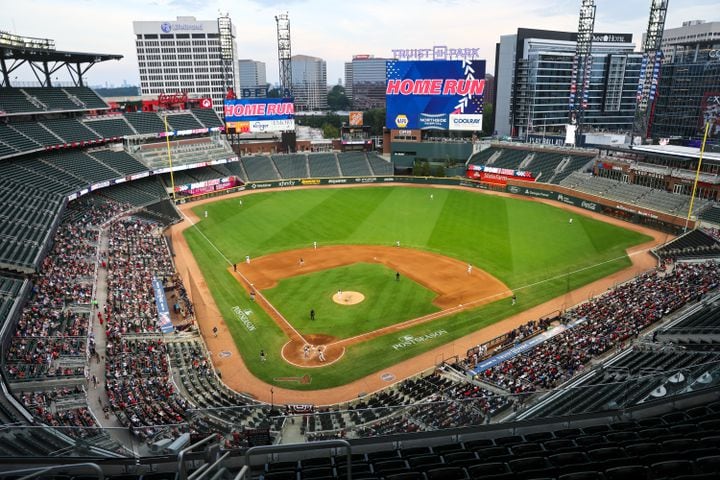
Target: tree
{"type": "Point", "coordinates": [330, 131]}
{"type": "Point", "coordinates": [337, 100]}
{"type": "Point", "coordinates": [375, 118]}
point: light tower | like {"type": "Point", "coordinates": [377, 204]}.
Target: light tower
{"type": "Point", "coordinates": [227, 53]}
{"type": "Point", "coordinates": [284, 53]}
{"type": "Point", "coordinates": [650, 68]}
{"type": "Point", "coordinates": [582, 66]}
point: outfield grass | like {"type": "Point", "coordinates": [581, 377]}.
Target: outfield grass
{"type": "Point", "coordinates": [387, 301]}
{"type": "Point", "coordinates": [529, 246]}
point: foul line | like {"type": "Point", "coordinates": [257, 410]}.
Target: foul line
{"type": "Point", "coordinates": [247, 281]}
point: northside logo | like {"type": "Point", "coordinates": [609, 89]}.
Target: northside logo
{"type": "Point", "coordinates": [401, 121]}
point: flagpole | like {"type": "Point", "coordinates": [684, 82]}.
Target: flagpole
{"type": "Point", "coordinates": [697, 175]}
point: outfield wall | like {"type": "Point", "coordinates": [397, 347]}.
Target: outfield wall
{"type": "Point", "coordinates": [556, 193]}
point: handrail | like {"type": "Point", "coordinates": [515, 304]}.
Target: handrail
{"type": "Point", "coordinates": [303, 446]}
{"type": "Point", "coordinates": [37, 471]}
{"type": "Point", "coordinates": [200, 474]}
{"type": "Point", "coordinates": [181, 475]}
{"type": "Point", "coordinates": [245, 470]}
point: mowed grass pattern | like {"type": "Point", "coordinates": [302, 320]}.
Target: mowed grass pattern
{"type": "Point", "coordinates": [387, 301]}
{"type": "Point", "coordinates": [530, 246]}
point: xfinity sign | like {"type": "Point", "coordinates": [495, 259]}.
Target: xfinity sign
{"type": "Point", "coordinates": [466, 122]}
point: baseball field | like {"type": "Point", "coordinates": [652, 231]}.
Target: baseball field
{"type": "Point", "coordinates": [342, 282]}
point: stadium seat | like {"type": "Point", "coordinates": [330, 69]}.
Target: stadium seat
{"type": "Point", "coordinates": [589, 475]}
{"type": "Point", "coordinates": [494, 468]}
{"type": "Point", "coordinates": [406, 476]}
{"type": "Point", "coordinates": [710, 464]}
{"type": "Point", "coordinates": [570, 462]}
{"type": "Point", "coordinates": [447, 473]}
{"type": "Point", "coordinates": [627, 472]}
{"type": "Point", "coordinates": [671, 468]}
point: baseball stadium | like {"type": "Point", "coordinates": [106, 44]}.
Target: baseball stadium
{"type": "Point", "coordinates": [175, 306]}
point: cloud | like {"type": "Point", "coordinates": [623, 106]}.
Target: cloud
{"type": "Point", "coordinates": [328, 29]}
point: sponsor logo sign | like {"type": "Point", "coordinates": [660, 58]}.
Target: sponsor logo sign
{"type": "Point", "coordinates": [437, 121]}
{"type": "Point", "coordinates": [244, 317]}
{"type": "Point", "coordinates": [466, 122]}
{"type": "Point", "coordinates": [437, 52]}
{"type": "Point", "coordinates": [444, 94]}
{"type": "Point", "coordinates": [355, 119]}
{"type": "Point", "coordinates": [181, 27]}
{"type": "Point", "coordinates": [257, 115]}
{"type": "Point", "coordinates": [406, 341]}
{"type": "Point", "coordinates": [310, 181]}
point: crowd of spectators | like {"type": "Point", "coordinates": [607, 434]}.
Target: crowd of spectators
{"type": "Point", "coordinates": [417, 404]}
{"type": "Point", "coordinates": [138, 385]}
{"type": "Point", "coordinates": [607, 322]}
{"type": "Point", "coordinates": [517, 335]}
{"type": "Point", "coordinates": [54, 323]}
{"type": "Point", "coordinates": [61, 407]}
{"type": "Point", "coordinates": [137, 371]}
{"type": "Point", "coordinates": [136, 253]}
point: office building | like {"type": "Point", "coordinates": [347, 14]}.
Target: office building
{"type": "Point", "coordinates": [365, 79]}
{"type": "Point", "coordinates": [183, 55]}
{"type": "Point", "coordinates": [309, 87]}
{"type": "Point", "coordinates": [689, 85]}
{"type": "Point", "coordinates": [252, 78]}
{"type": "Point", "coordinates": [533, 71]}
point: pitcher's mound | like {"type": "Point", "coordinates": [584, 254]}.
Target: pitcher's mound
{"type": "Point", "coordinates": [348, 298]}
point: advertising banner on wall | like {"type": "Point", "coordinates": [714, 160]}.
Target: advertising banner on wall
{"type": "Point", "coordinates": [710, 113]}
{"type": "Point", "coordinates": [355, 119]}
{"type": "Point", "coordinates": [497, 175]}
{"type": "Point", "coordinates": [258, 115]}
{"type": "Point", "coordinates": [436, 95]}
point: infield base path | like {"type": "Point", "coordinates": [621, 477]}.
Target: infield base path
{"type": "Point", "coordinates": [457, 288]}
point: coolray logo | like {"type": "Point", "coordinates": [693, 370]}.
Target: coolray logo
{"type": "Point", "coordinates": [337, 180]}
{"type": "Point", "coordinates": [166, 27]}
{"type": "Point", "coordinates": [401, 121]}
{"type": "Point", "coordinates": [466, 122]}
{"type": "Point", "coordinates": [286, 183]}
{"type": "Point", "coordinates": [410, 340]}
{"type": "Point", "coordinates": [242, 316]}
{"type": "Point", "coordinates": [514, 189]}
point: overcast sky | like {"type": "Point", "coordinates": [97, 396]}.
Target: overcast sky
{"type": "Point", "coordinates": [333, 30]}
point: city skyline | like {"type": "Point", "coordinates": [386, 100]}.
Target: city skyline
{"type": "Point", "coordinates": [320, 28]}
